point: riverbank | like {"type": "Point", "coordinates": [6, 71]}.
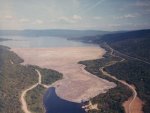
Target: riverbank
{"type": "Point", "coordinates": [77, 84]}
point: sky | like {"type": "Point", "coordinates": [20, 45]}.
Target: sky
{"type": "Point", "coordinates": [108, 15]}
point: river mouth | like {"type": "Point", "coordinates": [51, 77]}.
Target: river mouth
{"type": "Point", "coordinates": [55, 104]}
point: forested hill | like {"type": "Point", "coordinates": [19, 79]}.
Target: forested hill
{"type": "Point", "coordinates": [133, 43]}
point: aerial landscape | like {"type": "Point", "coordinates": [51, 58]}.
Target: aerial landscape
{"type": "Point", "coordinates": [74, 56]}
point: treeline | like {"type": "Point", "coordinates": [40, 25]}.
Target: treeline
{"type": "Point", "coordinates": [49, 76]}
{"type": "Point", "coordinates": [14, 78]}
{"type": "Point", "coordinates": [133, 43]}
{"type": "Point", "coordinates": [34, 99]}
{"type": "Point", "coordinates": [137, 73]}
{"type": "Point", "coordinates": [112, 100]}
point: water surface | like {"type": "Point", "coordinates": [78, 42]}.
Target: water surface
{"type": "Point", "coordinates": [40, 42]}
{"type": "Point", "coordinates": [54, 104]}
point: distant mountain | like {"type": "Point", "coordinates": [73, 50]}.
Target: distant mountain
{"type": "Point", "coordinates": [116, 37]}
{"type": "Point", "coordinates": [52, 32]}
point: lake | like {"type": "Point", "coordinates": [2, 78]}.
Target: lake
{"type": "Point", "coordinates": [54, 104]}
{"type": "Point", "coordinates": [40, 42]}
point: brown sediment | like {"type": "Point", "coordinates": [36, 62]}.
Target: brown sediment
{"type": "Point", "coordinates": [133, 104]}
{"type": "Point", "coordinates": [137, 106]}
{"type": "Point", "coordinates": [77, 84]}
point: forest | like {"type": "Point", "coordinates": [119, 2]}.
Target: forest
{"type": "Point", "coordinates": [134, 47]}
{"type": "Point", "coordinates": [14, 78]}
{"type": "Point", "coordinates": [112, 100]}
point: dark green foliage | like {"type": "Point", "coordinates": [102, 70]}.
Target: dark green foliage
{"type": "Point", "coordinates": [93, 66]}
{"type": "Point", "coordinates": [110, 102]}
{"type": "Point", "coordinates": [49, 76]}
{"type": "Point", "coordinates": [137, 73]}
{"type": "Point", "coordinates": [34, 99]}
{"type": "Point", "coordinates": [13, 79]}
{"type": "Point", "coordinates": [138, 48]}
{"type": "Point", "coordinates": [117, 37]}
{"type": "Point", "coordinates": [133, 43]}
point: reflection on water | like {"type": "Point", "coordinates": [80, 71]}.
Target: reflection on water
{"type": "Point", "coordinates": [41, 42]}
{"type": "Point", "coordinates": [54, 104]}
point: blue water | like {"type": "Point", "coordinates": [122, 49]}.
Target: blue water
{"type": "Point", "coordinates": [40, 42]}
{"type": "Point", "coordinates": [54, 104]}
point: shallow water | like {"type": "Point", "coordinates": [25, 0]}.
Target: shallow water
{"type": "Point", "coordinates": [54, 104]}
{"type": "Point", "coordinates": [40, 42]}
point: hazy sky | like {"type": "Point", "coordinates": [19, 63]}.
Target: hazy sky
{"type": "Point", "coordinates": [75, 14]}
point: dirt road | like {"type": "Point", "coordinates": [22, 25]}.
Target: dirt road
{"type": "Point", "coordinates": [134, 104]}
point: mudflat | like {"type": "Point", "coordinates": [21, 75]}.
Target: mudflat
{"type": "Point", "coordinates": [77, 84]}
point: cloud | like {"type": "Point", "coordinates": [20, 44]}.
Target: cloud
{"type": "Point", "coordinates": [77, 17]}
{"type": "Point", "coordinates": [114, 25]}
{"type": "Point", "coordinates": [24, 20]}
{"type": "Point", "coordinates": [127, 16]}
{"type": "Point", "coordinates": [97, 17]}
{"type": "Point", "coordinates": [66, 19]}
{"type": "Point", "coordinates": [130, 16]}
{"type": "Point", "coordinates": [8, 17]}
{"type": "Point", "coordinates": [38, 21]}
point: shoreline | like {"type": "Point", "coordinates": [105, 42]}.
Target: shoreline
{"type": "Point", "coordinates": [66, 63]}
{"type": "Point", "coordinates": [82, 69]}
